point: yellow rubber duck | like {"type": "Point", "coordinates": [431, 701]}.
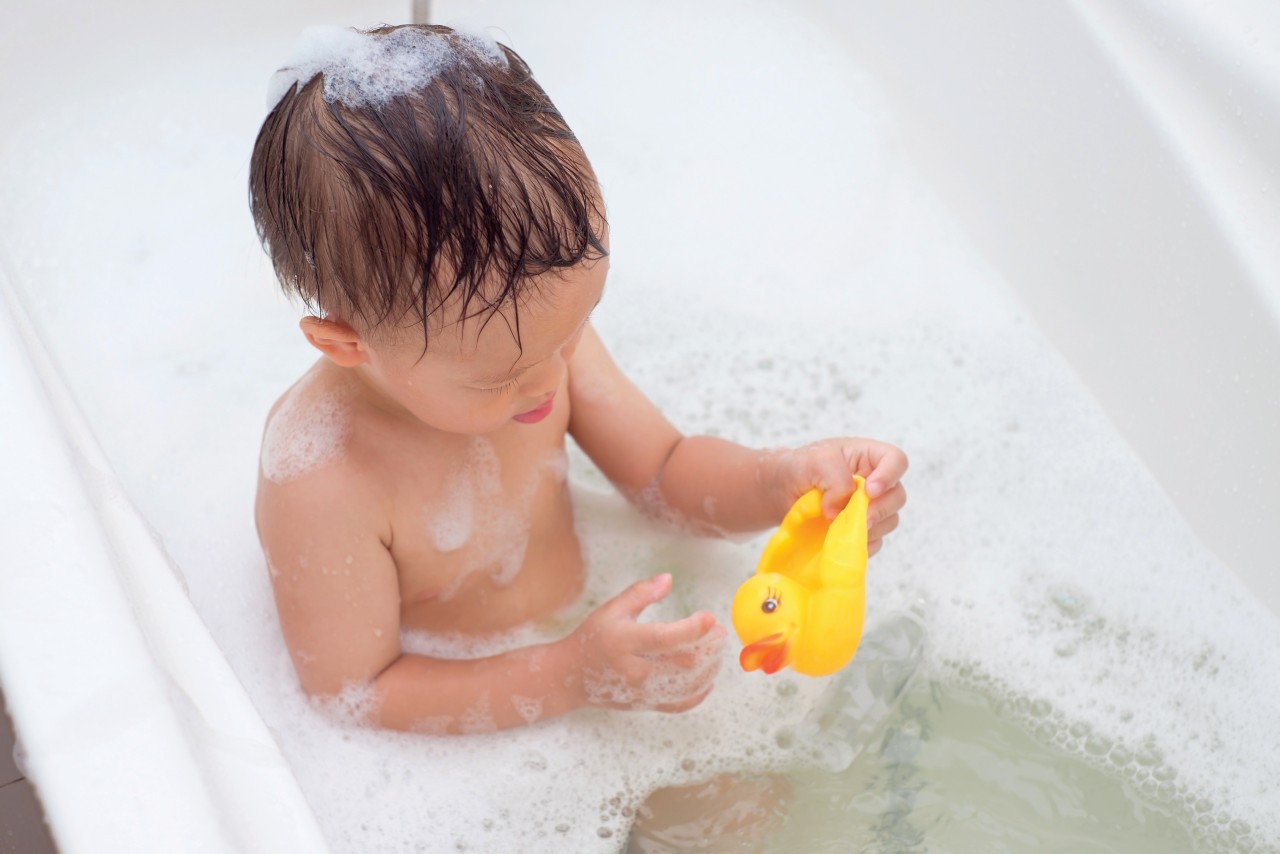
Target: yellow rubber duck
{"type": "Point", "coordinates": [805, 605]}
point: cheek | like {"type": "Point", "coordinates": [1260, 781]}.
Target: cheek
{"type": "Point", "coordinates": [479, 413]}
{"type": "Point", "coordinates": [391, 373]}
{"type": "Point", "coordinates": [571, 347]}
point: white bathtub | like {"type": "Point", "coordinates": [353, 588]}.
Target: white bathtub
{"type": "Point", "coordinates": [137, 733]}
{"type": "Point", "coordinates": [130, 722]}
{"type": "Point", "coordinates": [1118, 165]}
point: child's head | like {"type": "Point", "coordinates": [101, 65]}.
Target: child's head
{"type": "Point", "coordinates": [412, 180]}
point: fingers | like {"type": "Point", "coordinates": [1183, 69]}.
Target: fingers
{"type": "Point", "coordinates": [832, 463]}
{"type": "Point", "coordinates": [886, 527]}
{"type": "Point", "coordinates": [688, 659]}
{"type": "Point", "coordinates": [672, 666]}
{"type": "Point", "coordinates": [681, 680]}
{"type": "Point", "coordinates": [888, 465]}
{"type": "Point", "coordinates": [687, 704]}
{"type": "Point", "coordinates": [837, 488]}
{"type": "Point", "coordinates": [637, 597]}
{"type": "Point", "coordinates": [883, 519]}
{"type": "Point", "coordinates": [829, 469]}
{"type": "Point", "coordinates": [886, 507]}
{"type": "Point", "coordinates": [659, 638]}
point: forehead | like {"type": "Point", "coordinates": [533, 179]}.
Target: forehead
{"type": "Point", "coordinates": [547, 314]}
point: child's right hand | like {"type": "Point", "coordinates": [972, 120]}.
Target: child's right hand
{"type": "Point", "coordinates": [625, 664]}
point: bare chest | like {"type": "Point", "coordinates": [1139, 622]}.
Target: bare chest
{"type": "Point", "coordinates": [482, 536]}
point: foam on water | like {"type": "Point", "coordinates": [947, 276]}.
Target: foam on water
{"type": "Point", "coordinates": [1082, 605]}
{"type": "Point", "coordinates": [362, 69]}
{"type": "Point", "coordinates": [831, 296]}
{"type": "Point", "coordinates": [592, 789]}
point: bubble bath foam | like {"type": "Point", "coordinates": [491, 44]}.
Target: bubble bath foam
{"type": "Point", "coordinates": [813, 287]}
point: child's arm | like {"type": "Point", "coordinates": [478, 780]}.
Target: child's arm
{"type": "Point", "coordinates": [611, 661]}
{"type": "Point", "coordinates": [337, 593]}
{"type": "Point", "coordinates": [712, 483]}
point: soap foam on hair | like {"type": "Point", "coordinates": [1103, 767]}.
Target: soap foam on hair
{"type": "Point", "coordinates": [365, 69]}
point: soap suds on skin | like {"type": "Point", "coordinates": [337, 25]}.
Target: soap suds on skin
{"type": "Point", "coordinates": [529, 708]}
{"type": "Point", "coordinates": [433, 725]}
{"type": "Point", "coordinates": [1005, 527]}
{"type": "Point", "coordinates": [666, 682]}
{"type": "Point", "coordinates": [478, 718]}
{"type": "Point", "coordinates": [309, 430]}
{"type": "Point", "coordinates": [354, 706]}
{"type": "Point", "coordinates": [450, 526]}
{"type": "Point", "coordinates": [479, 510]}
{"type": "Point", "coordinates": [361, 69]}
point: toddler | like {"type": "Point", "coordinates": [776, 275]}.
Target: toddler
{"type": "Point", "coordinates": [416, 188]}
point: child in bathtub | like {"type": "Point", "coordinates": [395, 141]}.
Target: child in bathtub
{"type": "Point", "coordinates": [422, 195]}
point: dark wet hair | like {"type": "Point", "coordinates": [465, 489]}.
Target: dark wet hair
{"type": "Point", "coordinates": [466, 187]}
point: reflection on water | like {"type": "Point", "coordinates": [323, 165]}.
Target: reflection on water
{"type": "Point", "coordinates": [739, 812]}
{"type": "Point", "coordinates": [949, 774]}
{"type": "Point", "coordinates": [897, 761]}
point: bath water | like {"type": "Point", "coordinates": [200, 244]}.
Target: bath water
{"type": "Point", "coordinates": [951, 773]}
{"type": "Point", "coordinates": [1085, 670]}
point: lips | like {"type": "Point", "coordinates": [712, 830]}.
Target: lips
{"type": "Point", "coordinates": [533, 416]}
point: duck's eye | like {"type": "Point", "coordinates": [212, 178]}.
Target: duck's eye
{"type": "Point", "coordinates": [769, 605]}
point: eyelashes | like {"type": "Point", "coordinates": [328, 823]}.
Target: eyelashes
{"type": "Point", "coordinates": [511, 383]}
{"type": "Point", "coordinates": [507, 386]}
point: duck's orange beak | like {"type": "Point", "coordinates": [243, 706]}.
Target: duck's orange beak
{"type": "Point", "coordinates": [768, 654]}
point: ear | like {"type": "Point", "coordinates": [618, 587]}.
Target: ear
{"type": "Point", "coordinates": [335, 339]}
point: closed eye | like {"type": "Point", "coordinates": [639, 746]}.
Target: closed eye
{"type": "Point", "coordinates": [507, 386]}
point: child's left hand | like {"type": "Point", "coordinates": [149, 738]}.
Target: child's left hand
{"type": "Point", "coordinates": [830, 466]}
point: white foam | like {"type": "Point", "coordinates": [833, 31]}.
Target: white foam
{"type": "Point", "coordinates": [597, 789]}
{"type": "Point", "coordinates": [1050, 568]}
{"type": "Point", "coordinates": [308, 430]}
{"type": "Point", "coordinates": [668, 682]}
{"type": "Point", "coordinates": [479, 717]}
{"type": "Point", "coordinates": [651, 502]}
{"type": "Point", "coordinates": [529, 708]}
{"type": "Point", "coordinates": [498, 517]}
{"type": "Point", "coordinates": [478, 510]}
{"type": "Point", "coordinates": [352, 707]}
{"type": "Point", "coordinates": [450, 526]}
{"type": "Point", "coordinates": [361, 68]}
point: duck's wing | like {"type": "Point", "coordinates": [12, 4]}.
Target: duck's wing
{"type": "Point", "coordinates": [798, 539]}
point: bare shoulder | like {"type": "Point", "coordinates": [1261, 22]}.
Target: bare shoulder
{"type": "Point", "coordinates": [308, 429]}
{"type": "Point", "coordinates": [310, 462]}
